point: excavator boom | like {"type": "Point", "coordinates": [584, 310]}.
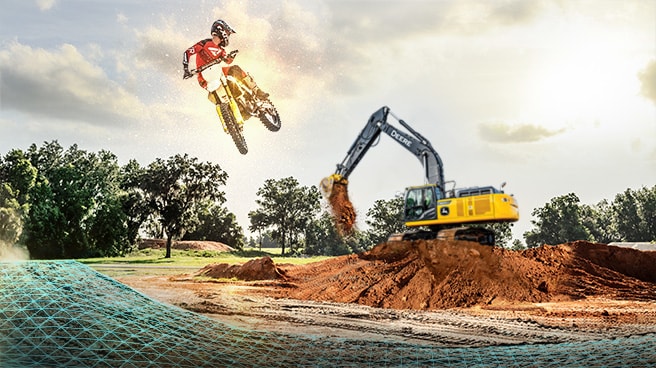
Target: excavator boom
{"type": "Point", "coordinates": [412, 141]}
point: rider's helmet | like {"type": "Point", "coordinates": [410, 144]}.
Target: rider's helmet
{"type": "Point", "coordinates": [223, 30]}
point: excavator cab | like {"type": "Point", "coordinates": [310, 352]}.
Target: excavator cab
{"type": "Point", "coordinates": [425, 206]}
{"type": "Point", "coordinates": [420, 203]}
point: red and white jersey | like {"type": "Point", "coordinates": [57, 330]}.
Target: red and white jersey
{"type": "Point", "coordinates": [201, 53]}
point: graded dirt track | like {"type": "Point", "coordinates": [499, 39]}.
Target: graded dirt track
{"type": "Point", "coordinates": [445, 293]}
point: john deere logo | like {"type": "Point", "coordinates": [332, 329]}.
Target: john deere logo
{"type": "Point", "coordinates": [444, 211]}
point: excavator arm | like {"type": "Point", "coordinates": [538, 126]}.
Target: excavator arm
{"type": "Point", "coordinates": [368, 137]}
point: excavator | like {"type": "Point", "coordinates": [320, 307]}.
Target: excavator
{"type": "Point", "coordinates": [431, 210]}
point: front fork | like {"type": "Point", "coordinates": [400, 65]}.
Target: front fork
{"type": "Point", "coordinates": [217, 98]}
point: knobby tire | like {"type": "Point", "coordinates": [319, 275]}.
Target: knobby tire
{"type": "Point", "coordinates": [269, 117]}
{"type": "Point", "coordinates": [233, 128]}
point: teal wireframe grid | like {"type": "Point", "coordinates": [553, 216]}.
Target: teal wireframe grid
{"type": "Point", "coordinates": [65, 314]}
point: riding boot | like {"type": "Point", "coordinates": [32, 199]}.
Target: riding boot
{"type": "Point", "coordinates": [260, 94]}
{"type": "Point", "coordinates": [250, 83]}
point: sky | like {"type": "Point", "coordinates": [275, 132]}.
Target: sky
{"type": "Point", "coordinates": [551, 97]}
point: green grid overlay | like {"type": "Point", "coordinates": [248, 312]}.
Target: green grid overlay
{"type": "Point", "coordinates": [65, 314]}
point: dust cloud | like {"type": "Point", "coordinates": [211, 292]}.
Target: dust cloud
{"type": "Point", "coordinates": [11, 252]}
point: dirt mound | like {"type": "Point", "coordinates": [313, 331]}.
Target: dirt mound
{"type": "Point", "coordinates": [185, 245]}
{"type": "Point", "coordinates": [256, 269]}
{"type": "Point", "coordinates": [444, 274]}
{"type": "Point", "coordinates": [342, 208]}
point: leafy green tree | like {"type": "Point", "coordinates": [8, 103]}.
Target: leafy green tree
{"type": "Point", "coordinates": [258, 224]}
{"type": "Point", "coordinates": [133, 199]}
{"type": "Point", "coordinates": [517, 245]}
{"type": "Point", "coordinates": [627, 215]}
{"type": "Point", "coordinates": [285, 207]}
{"type": "Point", "coordinates": [559, 221]}
{"type": "Point", "coordinates": [322, 238]}
{"type": "Point", "coordinates": [218, 224]}
{"type": "Point", "coordinates": [17, 178]}
{"type": "Point", "coordinates": [635, 214]}
{"type": "Point", "coordinates": [74, 206]}
{"type": "Point", "coordinates": [17, 171]}
{"type": "Point", "coordinates": [385, 218]}
{"type": "Point", "coordinates": [175, 188]}
{"type": "Point", "coordinates": [265, 240]}
{"type": "Point", "coordinates": [600, 222]}
{"type": "Point", "coordinates": [502, 232]}
{"type": "Point", "coordinates": [45, 227]}
{"type": "Point", "coordinates": [647, 197]}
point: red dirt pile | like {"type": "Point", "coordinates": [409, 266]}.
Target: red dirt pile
{"type": "Point", "coordinates": [256, 269]}
{"type": "Point", "coordinates": [342, 209]}
{"type": "Point", "coordinates": [436, 274]}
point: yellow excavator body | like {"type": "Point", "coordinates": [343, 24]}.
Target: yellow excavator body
{"type": "Point", "coordinates": [468, 209]}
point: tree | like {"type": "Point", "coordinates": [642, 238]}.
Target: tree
{"type": "Point", "coordinates": [502, 232]}
{"type": "Point", "coordinates": [133, 199]}
{"type": "Point", "coordinates": [287, 208]}
{"type": "Point", "coordinates": [17, 178]}
{"type": "Point", "coordinates": [626, 208]}
{"type": "Point", "coordinates": [175, 188]}
{"type": "Point", "coordinates": [559, 221]}
{"type": "Point", "coordinates": [258, 224]}
{"type": "Point", "coordinates": [517, 245]}
{"type": "Point", "coordinates": [322, 238]}
{"type": "Point", "coordinates": [17, 171]}
{"type": "Point", "coordinates": [385, 218]}
{"type": "Point", "coordinates": [647, 198]}
{"type": "Point", "coordinates": [635, 214]}
{"type": "Point", "coordinates": [74, 206]}
{"type": "Point", "coordinates": [600, 222]}
{"type": "Point", "coordinates": [218, 224]}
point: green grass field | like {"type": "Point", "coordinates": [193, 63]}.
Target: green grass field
{"type": "Point", "coordinates": [199, 258]}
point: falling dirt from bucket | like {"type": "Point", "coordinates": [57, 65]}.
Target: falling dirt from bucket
{"type": "Point", "coordinates": [342, 209]}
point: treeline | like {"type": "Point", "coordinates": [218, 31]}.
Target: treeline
{"type": "Point", "coordinates": [70, 203]}
{"type": "Point", "coordinates": [630, 217]}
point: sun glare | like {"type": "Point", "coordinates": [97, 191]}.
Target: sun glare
{"type": "Point", "coordinates": [588, 79]}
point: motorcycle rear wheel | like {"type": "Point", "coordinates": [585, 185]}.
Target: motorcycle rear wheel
{"type": "Point", "coordinates": [269, 117]}
{"type": "Point", "coordinates": [234, 129]}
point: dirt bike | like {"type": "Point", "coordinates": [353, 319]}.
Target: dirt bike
{"type": "Point", "coordinates": [236, 102]}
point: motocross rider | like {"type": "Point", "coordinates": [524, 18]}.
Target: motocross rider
{"type": "Point", "coordinates": [210, 49]}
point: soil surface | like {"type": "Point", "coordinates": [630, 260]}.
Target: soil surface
{"type": "Point", "coordinates": [448, 293]}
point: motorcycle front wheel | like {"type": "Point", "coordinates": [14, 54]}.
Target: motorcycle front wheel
{"type": "Point", "coordinates": [234, 129]}
{"type": "Point", "coordinates": [269, 117]}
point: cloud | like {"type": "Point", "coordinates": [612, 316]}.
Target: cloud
{"type": "Point", "coordinates": [62, 84]}
{"type": "Point", "coordinates": [121, 18]}
{"type": "Point", "coordinates": [504, 133]}
{"type": "Point", "coordinates": [160, 47]}
{"type": "Point", "coordinates": [648, 80]}
{"type": "Point", "coordinates": [45, 4]}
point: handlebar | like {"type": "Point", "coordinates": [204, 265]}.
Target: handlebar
{"type": "Point", "coordinates": [230, 55]}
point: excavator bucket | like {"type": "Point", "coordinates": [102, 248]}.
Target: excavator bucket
{"type": "Point", "coordinates": [326, 186]}
{"type": "Point", "coordinates": [335, 189]}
